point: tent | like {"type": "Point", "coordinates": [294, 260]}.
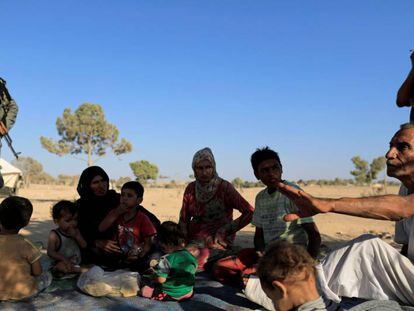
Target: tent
{"type": "Point", "coordinates": [12, 175]}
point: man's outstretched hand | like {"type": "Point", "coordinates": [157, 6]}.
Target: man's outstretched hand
{"type": "Point", "coordinates": [3, 129]}
{"type": "Point", "coordinates": [308, 205]}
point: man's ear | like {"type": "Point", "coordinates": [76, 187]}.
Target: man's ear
{"type": "Point", "coordinates": [255, 174]}
{"type": "Point", "coordinates": [280, 287]}
{"type": "Point", "coordinates": [139, 200]}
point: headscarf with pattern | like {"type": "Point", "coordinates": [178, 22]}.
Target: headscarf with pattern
{"type": "Point", "coordinates": [205, 192]}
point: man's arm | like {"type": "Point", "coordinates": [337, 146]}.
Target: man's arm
{"type": "Point", "coordinates": [386, 207]}
{"type": "Point", "coordinates": [405, 93]}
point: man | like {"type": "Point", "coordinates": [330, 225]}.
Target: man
{"type": "Point", "coordinates": [8, 114]}
{"type": "Point", "coordinates": [367, 267]}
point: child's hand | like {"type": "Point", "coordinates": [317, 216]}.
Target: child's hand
{"type": "Point", "coordinates": [121, 209]}
{"type": "Point", "coordinates": [73, 232]}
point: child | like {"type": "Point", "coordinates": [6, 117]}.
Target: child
{"type": "Point", "coordinates": [287, 276]}
{"type": "Point", "coordinates": [20, 270]}
{"type": "Point", "coordinates": [174, 276]}
{"type": "Point", "coordinates": [135, 231]}
{"type": "Point", "coordinates": [270, 208]}
{"type": "Point", "coordinates": [64, 243]}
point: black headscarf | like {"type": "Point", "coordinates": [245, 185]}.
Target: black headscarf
{"type": "Point", "coordinates": [93, 208]}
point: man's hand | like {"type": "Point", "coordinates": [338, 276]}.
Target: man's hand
{"type": "Point", "coordinates": [308, 205]}
{"type": "Point", "coordinates": [108, 246]}
{"type": "Point", "coordinates": [3, 129]}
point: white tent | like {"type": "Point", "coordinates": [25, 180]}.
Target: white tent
{"type": "Point", "coordinates": [11, 174]}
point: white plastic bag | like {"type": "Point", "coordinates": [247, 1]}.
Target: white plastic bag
{"type": "Point", "coordinates": [120, 283]}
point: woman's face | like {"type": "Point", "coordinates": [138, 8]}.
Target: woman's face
{"type": "Point", "coordinates": [99, 186]}
{"type": "Point", "coordinates": [204, 171]}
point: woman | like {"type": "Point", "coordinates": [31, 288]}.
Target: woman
{"type": "Point", "coordinates": [96, 200]}
{"type": "Point", "coordinates": [206, 216]}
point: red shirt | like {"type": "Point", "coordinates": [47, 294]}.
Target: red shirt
{"type": "Point", "coordinates": [203, 220]}
{"type": "Point", "coordinates": [131, 233]}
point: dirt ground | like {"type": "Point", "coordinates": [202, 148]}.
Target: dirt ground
{"type": "Point", "coordinates": [166, 204]}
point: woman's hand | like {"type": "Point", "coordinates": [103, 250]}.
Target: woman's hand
{"type": "Point", "coordinates": [108, 246]}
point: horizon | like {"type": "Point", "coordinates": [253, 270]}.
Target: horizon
{"type": "Point", "coordinates": [314, 82]}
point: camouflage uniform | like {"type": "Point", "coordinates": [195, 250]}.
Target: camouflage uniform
{"type": "Point", "coordinates": [8, 112]}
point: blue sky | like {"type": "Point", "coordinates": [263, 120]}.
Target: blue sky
{"type": "Point", "coordinates": [315, 80]}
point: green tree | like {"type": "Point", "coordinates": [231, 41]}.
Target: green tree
{"type": "Point", "coordinates": [237, 182]}
{"type": "Point", "coordinates": [144, 170]}
{"type": "Point", "coordinates": [29, 167]}
{"type": "Point", "coordinates": [365, 173]}
{"type": "Point", "coordinates": [361, 169]}
{"type": "Point", "coordinates": [121, 181]}
{"type": "Point", "coordinates": [86, 131]}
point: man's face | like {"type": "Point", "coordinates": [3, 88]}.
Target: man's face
{"type": "Point", "coordinates": [400, 156]}
{"type": "Point", "coordinates": [269, 172]}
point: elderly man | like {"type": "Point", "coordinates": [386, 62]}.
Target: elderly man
{"type": "Point", "coordinates": [368, 267]}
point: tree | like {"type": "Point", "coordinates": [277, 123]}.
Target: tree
{"type": "Point", "coordinates": [144, 170]}
{"type": "Point", "coordinates": [121, 181]}
{"type": "Point", "coordinates": [30, 168]}
{"type": "Point", "coordinates": [237, 182]}
{"type": "Point", "coordinates": [364, 173]}
{"type": "Point", "coordinates": [86, 131]}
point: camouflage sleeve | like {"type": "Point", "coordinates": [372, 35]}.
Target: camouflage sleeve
{"type": "Point", "coordinates": [11, 110]}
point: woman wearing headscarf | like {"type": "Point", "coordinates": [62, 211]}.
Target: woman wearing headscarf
{"type": "Point", "coordinates": [96, 200]}
{"type": "Point", "coordinates": [206, 215]}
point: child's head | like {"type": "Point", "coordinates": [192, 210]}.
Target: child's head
{"type": "Point", "coordinates": [266, 166]}
{"type": "Point", "coordinates": [170, 237]}
{"type": "Point", "coordinates": [132, 194]}
{"type": "Point", "coordinates": [15, 213]}
{"type": "Point", "coordinates": [64, 214]}
{"type": "Point", "coordinates": [287, 275]}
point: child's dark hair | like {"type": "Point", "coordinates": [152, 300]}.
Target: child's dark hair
{"type": "Point", "coordinates": [15, 212]}
{"type": "Point", "coordinates": [283, 260]}
{"type": "Point", "coordinates": [66, 206]}
{"type": "Point", "coordinates": [136, 186]}
{"type": "Point", "coordinates": [264, 154]}
{"type": "Point", "coordinates": [169, 233]}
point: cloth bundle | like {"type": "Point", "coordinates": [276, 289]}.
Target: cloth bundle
{"type": "Point", "coordinates": [120, 283]}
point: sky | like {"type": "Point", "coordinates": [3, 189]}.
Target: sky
{"type": "Point", "coordinates": [314, 80]}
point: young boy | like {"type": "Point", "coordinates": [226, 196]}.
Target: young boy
{"type": "Point", "coordinates": [20, 270]}
{"type": "Point", "coordinates": [174, 276]}
{"type": "Point", "coordinates": [271, 206]}
{"type": "Point", "coordinates": [287, 276]}
{"type": "Point", "coordinates": [135, 231]}
{"type": "Point", "coordinates": [64, 243]}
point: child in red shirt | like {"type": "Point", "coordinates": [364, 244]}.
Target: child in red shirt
{"type": "Point", "coordinates": [134, 230]}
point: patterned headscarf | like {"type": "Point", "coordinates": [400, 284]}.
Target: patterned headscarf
{"type": "Point", "coordinates": [205, 192]}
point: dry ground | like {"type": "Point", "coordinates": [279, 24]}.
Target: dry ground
{"type": "Point", "coordinates": [166, 203]}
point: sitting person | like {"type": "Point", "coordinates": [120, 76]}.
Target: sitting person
{"type": "Point", "coordinates": [288, 278]}
{"type": "Point", "coordinates": [96, 201]}
{"type": "Point", "coordinates": [174, 276]}
{"type": "Point", "coordinates": [270, 208]}
{"type": "Point", "coordinates": [21, 274]}
{"type": "Point", "coordinates": [135, 231]}
{"type": "Point", "coordinates": [368, 267]}
{"type": "Point", "coordinates": [65, 242]}
{"type": "Point", "coordinates": [206, 217]}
